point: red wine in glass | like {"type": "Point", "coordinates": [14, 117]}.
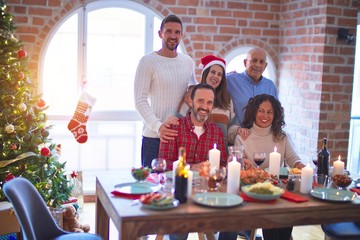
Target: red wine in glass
{"type": "Point", "coordinates": [158, 166]}
{"type": "Point", "coordinates": [259, 158]}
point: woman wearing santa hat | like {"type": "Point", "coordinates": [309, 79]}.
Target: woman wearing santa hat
{"type": "Point", "coordinates": [213, 73]}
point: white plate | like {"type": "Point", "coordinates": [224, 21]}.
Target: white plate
{"type": "Point", "coordinates": [174, 204]}
{"type": "Point", "coordinates": [137, 187]}
{"type": "Point", "coordinates": [217, 199]}
{"type": "Point", "coordinates": [333, 195]}
{"type": "Point", "coordinates": [261, 196]}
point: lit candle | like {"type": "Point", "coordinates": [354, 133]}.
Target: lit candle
{"type": "Point", "coordinates": [233, 180]}
{"type": "Point", "coordinates": [214, 157]}
{"type": "Point", "coordinates": [274, 163]}
{"type": "Point", "coordinates": [190, 181]}
{"type": "Point", "coordinates": [338, 167]}
{"type": "Point", "coordinates": [175, 164]}
{"type": "Point", "coordinates": [307, 174]}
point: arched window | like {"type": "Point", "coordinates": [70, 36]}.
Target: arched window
{"type": "Point", "coordinates": [98, 47]}
{"type": "Point", "coordinates": [235, 62]}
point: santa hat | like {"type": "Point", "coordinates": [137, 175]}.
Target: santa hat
{"type": "Point", "coordinates": [210, 60]}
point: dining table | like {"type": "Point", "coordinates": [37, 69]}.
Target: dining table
{"type": "Point", "coordinates": [132, 220]}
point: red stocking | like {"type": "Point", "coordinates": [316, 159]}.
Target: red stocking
{"type": "Point", "coordinates": [77, 124]}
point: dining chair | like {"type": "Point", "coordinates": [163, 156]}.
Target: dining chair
{"type": "Point", "coordinates": [342, 231]}
{"type": "Point", "coordinates": [35, 219]}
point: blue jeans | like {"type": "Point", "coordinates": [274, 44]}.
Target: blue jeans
{"type": "Point", "coordinates": [228, 235]}
{"type": "Point", "coordinates": [178, 236]}
{"type": "Point", "coordinates": [149, 150]}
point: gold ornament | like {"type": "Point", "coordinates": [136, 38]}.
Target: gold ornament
{"type": "Point", "coordinates": [9, 128]}
{"type": "Point", "coordinates": [22, 107]}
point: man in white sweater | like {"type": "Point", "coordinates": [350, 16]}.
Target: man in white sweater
{"type": "Point", "coordinates": [161, 81]}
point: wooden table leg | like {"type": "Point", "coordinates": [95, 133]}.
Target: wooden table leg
{"type": "Point", "coordinates": [102, 220]}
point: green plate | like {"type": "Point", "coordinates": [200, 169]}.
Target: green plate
{"type": "Point", "coordinates": [174, 204]}
{"type": "Point", "coordinates": [137, 187]}
{"type": "Point", "coordinates": [217, 199]}
{"type": "Point", "coordinates": [257, 196]}
{"type": "Point", "coordinates": [333, 195]}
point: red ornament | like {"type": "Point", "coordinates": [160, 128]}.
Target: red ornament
{"type": "Point", "coordinates": [41, 103]}
{"type": "Point", "coordinates": [45, 151]}
{"type": "Point", "coordinates": [73, 174]}
{"type": "Point", "coordinates": [9, 176]}
{"type": "Point", "coordinates": [13, 147]}
{"type": "Point", "coordinates": [21, 76]}
{"type": "Point", "coordinates": [21, 53]}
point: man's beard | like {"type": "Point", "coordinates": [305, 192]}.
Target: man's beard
{"type": "Point", "coordinates": [171, 47]}
{"type": "Point", "coordinates": [195, 112]}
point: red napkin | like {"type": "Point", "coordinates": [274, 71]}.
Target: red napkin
{"type": "Point", "coordinates": [153, 178]}
{"type": "Point", "coordinates": [355, 190]}
{"type": "Point", "coordinates": [293, 197]}
{"type": "Point", "coordinates": [125, 195]}
{"type": "Point", "coordinates": [249, 199]}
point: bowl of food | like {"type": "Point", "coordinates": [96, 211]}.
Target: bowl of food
{"type": "Point", "coordinates": [341, 181]}
{"type": "Point", "coordinates": [140, 174]}
{"type": "Point", "coordinates": [262, 191]}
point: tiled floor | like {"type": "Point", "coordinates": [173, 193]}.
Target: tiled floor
{"type": "Point", "coordinates": [311, 232]}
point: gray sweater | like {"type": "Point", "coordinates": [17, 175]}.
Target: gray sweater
{"type": "Point", "coordinates": [261, 140]}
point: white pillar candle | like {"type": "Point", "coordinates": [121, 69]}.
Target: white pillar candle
{"type": "Point", "coordinates": [190, 181]}
{"type": "Point", "coordinates": [307, 174]}
{"type": "Point", "coordinates": [175, 164]}
{"type": "Point", "coordinates": [233, 179]}
{"type": "Point", "coordinates": [214, 157]}
{"type": "Point", "coordinates": [338, 167]}
{"type": "Point", "coordinates": [274, 163]}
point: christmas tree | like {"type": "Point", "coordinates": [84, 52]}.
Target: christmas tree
{"type": "Point", "coordinates": [25, 149]}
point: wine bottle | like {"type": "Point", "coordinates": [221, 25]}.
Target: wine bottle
{"type": "Point", "coordinates": [181, 177]}
{"type": "Point", "coordinates": [323, 159]}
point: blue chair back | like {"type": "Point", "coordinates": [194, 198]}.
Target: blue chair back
{"type": "Point", "coordinates": [34, 216]}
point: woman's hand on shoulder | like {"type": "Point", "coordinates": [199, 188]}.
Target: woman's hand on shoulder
{"type": "Point", "coordinates": [243, 132]}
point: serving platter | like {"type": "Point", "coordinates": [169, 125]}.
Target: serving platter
{"type": "Point", "coordinates": [333, 195]}
{"type": "Point", "coordinates": [217, 199]}
{"type": "Point", "coordinates": [141, 187]}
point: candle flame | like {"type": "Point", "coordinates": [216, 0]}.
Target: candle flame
{"type": "Point", "coordinates": [339, 158]}
{"type": "Point", "coordinates": [275, 149]}
{"type": "Point", "coordinates": [234, 158]}
{"type": "Point", "coordinates": [214, 145]}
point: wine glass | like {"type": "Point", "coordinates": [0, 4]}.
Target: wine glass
{"type": "Point", "coordinates": [217, 176]}
{"type": "Point", "coordinates": [158, 165]}
{"type": "Point", "coordinates": [259, 158]}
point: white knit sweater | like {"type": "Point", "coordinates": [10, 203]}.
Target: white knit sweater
{"type": "Point", "coordinates": [160, 83]}
{"type": "Point", "coordinates": [261, 140]}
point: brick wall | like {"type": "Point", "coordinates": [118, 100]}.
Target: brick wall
{"type": "Point", "coordinates": [314, 68]}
